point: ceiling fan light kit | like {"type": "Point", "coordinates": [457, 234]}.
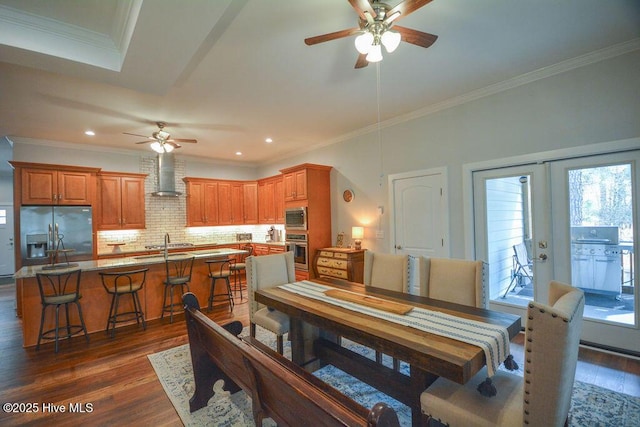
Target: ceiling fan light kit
{"type": "Point", "coordinates": [374, 30]}
{"type": "Point", "coordinates": [162, 141]}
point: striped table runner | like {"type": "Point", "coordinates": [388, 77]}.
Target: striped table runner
{"type": "Point", "coordinates": [493, 339]}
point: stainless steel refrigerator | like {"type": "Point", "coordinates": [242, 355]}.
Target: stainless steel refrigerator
{"type": "Point", "coordinates": [45, 228]}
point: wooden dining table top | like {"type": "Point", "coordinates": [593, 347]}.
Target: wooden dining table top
{"type": "Point", "coordinates": [439, 355]}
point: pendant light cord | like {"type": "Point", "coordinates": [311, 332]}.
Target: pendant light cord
{"type": "Point", "coordinates": [378, 121]}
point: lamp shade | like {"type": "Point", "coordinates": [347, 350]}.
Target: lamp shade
{"type": "Point", "coordinates": [357, 232]}
{"type": "Point", "coordinates": [375, 54]}
{"type": "Point", "coordinates": [363, 42]}
{"type": "Point", "coordinates": [391, 40]}
{"type": "Point", "coordinates": [160, 147]}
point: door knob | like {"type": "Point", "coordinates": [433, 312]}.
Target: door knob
{"type": "Point", "coordinates": [542, 257]}
{"type": "Point", "coordinates": [398, 246]}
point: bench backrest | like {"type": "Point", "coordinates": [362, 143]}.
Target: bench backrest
{"type": "Point", "coordinates": [278, 389]}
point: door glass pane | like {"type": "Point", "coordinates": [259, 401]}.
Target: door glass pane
{"type": "Point", "coordinates": [601, 219]}
{"type": "Point", "coordinates": [509, 234]}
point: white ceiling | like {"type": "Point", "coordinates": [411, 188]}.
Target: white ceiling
{"type": "Point", "coordinates": [233, 72]}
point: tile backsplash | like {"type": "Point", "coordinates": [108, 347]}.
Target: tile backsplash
{"type": "Point", "coordinates": [168, 215]}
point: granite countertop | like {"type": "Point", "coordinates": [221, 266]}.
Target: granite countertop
{"type": "Point", "coordinates": [129, 261]}
{"type": "Point", "coordinates": [191, 247]}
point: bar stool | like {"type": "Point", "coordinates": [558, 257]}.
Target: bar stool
{"type": "Point", "coordinates": [178, 274]}
{"type": "Point", "coordinates": [60, 288]}
{"type": "Point", "coordinates": [238, 267]}
{"type": "Point", "coordinates": [220, 269]}
{"type": "Point", "coordinates": [122, 283]}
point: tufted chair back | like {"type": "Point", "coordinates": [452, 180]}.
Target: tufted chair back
{"type": "Point", "coordinates": [387, 271]}
{"type": "Point", "coordinates": [552, 339]}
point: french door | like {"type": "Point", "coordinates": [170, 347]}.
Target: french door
{"type": "Point", "coordinates": [577, 220]}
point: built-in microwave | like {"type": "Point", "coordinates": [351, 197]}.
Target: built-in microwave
{"type": "Point", "coordinates": [295, 218]}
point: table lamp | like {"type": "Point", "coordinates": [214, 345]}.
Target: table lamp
{"type": "Point", "coordinates": [357, 233]}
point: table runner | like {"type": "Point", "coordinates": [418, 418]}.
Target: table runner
{"type": "Point", "coordinates": [492, 339]}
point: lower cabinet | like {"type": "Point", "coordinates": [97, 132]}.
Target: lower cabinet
{"type": "Point", "coordinates": [340, 263]}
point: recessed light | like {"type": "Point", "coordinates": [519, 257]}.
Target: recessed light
{"type": "Point", "coordinates": [268, 140]}
{"type": "Point", "coordinates": [90, 133]}
{"type": "Point", "coordinates": [238, 153]}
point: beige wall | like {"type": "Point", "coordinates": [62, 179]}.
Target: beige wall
{"type": "Point", "coordinates": [596, 103]}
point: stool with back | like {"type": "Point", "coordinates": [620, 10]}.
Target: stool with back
{"type": "Point", "coordinates": [119, 284]}
{"type": "Point", "coordinates": [60, 288]}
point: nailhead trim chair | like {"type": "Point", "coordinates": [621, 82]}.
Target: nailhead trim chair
{"type": "Point", "coordinates": [267, 271]}
{"type": "Point", "coordinates": [542, 397]}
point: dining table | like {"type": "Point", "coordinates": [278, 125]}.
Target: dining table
{"type": "Point", "coordinates": [317, 330]}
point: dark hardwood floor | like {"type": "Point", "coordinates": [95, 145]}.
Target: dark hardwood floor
{"type": "Point", "coordinates": [115, 377]}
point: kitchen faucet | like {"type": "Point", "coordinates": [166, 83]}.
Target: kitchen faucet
{"type": "Point", "coordinates": [167, 240]}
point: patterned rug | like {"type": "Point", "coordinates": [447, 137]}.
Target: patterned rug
{"type": "Point", "coordinates": [590, 405]}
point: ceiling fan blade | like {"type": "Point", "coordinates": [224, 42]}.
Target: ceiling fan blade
{"type": "Point", "coordinates": [331, 36]}
{"type": "Point", "coordinates": [362, 6]}
{"type": "Point", "coordinates": [405, 8]}
{"type": "Point", "coordinates": [135, 134]}
{"type": "Point", "coordinates": [192, 141]}
{"type": "Point", "coordinates": [362, 62]}
{"type": "Point", "coordinates": [142, 142]}
{"type": "Point", "coordinates": [416, 37]}
{"type": "Point", "coordinates": [174, 144]}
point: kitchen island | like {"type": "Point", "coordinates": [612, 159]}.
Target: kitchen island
{"type": "Point", "coordinates": [95, 300]}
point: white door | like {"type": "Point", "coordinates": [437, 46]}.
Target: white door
{"type": "Point", "coordinates": [7, 254]}
{"type": "Point", "coordinates": [596, 218]}
{"type": "Point", "coordinates": [579, 220]}
{"type": "Point", "coordinates": [419, 221]}
{"type": "Point", "coordinates": [511, 208]}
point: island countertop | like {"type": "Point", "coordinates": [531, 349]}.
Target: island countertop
{"type": "Point", "coordinates": [96, 301]}
{"type": "Point", "coordinates": [131, 261]}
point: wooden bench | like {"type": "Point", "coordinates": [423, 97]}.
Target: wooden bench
{"type": "Point", "coordinates": [278, 388]}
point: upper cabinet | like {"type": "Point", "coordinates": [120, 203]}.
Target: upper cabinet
{"type": "Point", "coordinates": [271, 200]}
{"type": "Point", "coordinates": [298, 180]}
{"type": "Point", "coordinates": [202, 202]}
{"type": "Point", "coordinates": [122, 204]}
{"type": "Point", "coordinates": [44, 184]}
{"type": "Point", "coordinates": [295, 185]}
{"type": "Point", "coordinates": [219, 202]}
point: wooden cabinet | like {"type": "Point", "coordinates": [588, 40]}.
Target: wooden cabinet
{"type": "Point", "coordinates": [341, 263]}
{"type": "Point", "coordinates": [271, 201]}
{"type": "Point", "coordinates": [267, 249]}
{"type": "Point", "coordinates": [43, 184]}
{"type": "Point", "coordinates": [309, 185]}
{"type": "Point", "coordinates": [295, 185]}
{"type": "Point", "coordinates": [121, 201]}
{"type": "Point", "coordinates": [219, 202]}
{"type": "Point", "coordinates": [250, 202]}
{"type": "Point", "coordinates": [202, 202]}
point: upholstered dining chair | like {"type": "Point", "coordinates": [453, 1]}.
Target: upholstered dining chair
{"type": "Point", "coordinates": [386, 271]}
{"type": "Point", "coordinates": [543, 396]}
{"type": "Point", "coordinates": [455, 280]}
{"type": "Point", "coordinates": [267, 271]}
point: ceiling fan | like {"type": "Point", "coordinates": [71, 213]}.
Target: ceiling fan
{"type": "Point", "coordinates": [376, 20]}
{"type": "Point", "coordinates": [161, 141]}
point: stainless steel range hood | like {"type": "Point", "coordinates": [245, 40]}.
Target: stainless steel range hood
{"type": "Point", "coordinates": [166, 176]}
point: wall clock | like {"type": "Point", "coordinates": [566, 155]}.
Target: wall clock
{"type": "Point", "coordinates": [348, 195]}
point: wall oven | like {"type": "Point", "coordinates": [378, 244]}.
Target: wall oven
{"type": "Point", "coordinates": [295, 218]}
{"type": "Point", "coordinates": [297, 243]}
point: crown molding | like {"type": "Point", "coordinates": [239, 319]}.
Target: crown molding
{"type": "Point", "coordinates": [539, 74]}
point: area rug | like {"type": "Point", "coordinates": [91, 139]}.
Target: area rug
{"type": "Point", "coordinates": [590, 405]}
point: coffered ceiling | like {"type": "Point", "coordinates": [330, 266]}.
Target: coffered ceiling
{"type": "Point", "coordinates": [231, 73]}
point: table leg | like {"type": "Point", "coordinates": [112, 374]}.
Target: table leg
{"type": "Point", "coordinates": [420, 380]}
{"type": "Point", "coordinates": [302, 336]}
